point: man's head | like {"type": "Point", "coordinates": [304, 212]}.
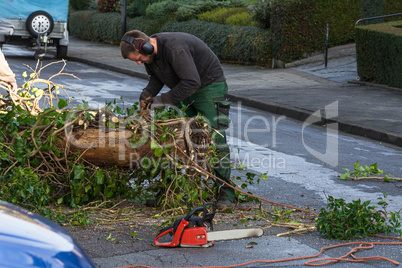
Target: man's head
{"type": "Point", "coordinates": [136, 46]}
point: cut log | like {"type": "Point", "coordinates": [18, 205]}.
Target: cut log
{"type": "Point", "coordinates": [114, 147]}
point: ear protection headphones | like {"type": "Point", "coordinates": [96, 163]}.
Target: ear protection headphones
{"type": "Point", "coordinates": [144, 48]}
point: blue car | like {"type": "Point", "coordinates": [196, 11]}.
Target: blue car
{"type": "Point", "coordinates": [30, 240]}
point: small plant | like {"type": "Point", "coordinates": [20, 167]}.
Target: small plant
{"type": "Point", "coordinates": [282, 215]}
{"type": "Point", "coordinates": [366, 172]}
{"type": "Point", "coordinates": [343, 220]}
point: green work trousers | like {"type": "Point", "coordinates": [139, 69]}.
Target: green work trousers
{"type": "Point", "coordinates": [210, 102]}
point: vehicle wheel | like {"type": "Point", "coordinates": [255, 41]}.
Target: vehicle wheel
{"type": "Point", "coordinates": [61, 52]}
{"type": "Point", "coordinates": [39, 22]}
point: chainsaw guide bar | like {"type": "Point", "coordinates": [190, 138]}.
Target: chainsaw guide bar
{"type": "Point", "coordinates": [234, 234]}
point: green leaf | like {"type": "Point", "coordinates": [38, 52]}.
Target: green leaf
{"type": "Point", "coordinates": [158, 152]}
{"type": "Point", "coordinates": [60, 200]}
{"type": "Point", "coordinates": [87, 188]}
{"type": "Point", "coordinates": [100, 176]}
{"type": "Point", "coordinates": [79, 172]}
{"type": "Point", "coordinates": [154, 145]}
{"type": "Point", "coordinates": [62, 103]}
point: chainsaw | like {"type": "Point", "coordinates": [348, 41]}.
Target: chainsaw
{"type": "Point", "coordinates": [192, 231]}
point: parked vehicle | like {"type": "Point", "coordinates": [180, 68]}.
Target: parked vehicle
{"type": "Point", "coordinates": [30, 240]}
{"type": "Point", "coordinates": [36, 23]}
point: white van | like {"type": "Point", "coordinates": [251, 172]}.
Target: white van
{"type": "Point", "coordinates": [36, 23]}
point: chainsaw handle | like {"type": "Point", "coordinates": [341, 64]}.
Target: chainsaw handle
{"type": "Point", "coordinates": [207, 215]}
{"type": "Point", "coordinates": [177, 234]}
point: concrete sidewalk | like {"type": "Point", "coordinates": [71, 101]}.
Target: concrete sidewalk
{"type": "Point", "coordinates": [303, 88]}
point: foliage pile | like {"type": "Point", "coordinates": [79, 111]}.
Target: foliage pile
{"type": "Point", "coordinates": [37, 168]}
{"type": "Point", "coordinates": [344, 220]}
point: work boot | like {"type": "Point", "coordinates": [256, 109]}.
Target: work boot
{"type": "Point", "coordinates": [224, 201]}
{"type": "Point", "coordinates": [223, 204]}
{"type": "Point", "coordinates": [153, 201]}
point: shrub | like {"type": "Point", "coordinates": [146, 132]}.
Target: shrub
{"type": "Point", "coordinates": [107, 5]}
{"type": "Point", "coordinates": [299, 26]}
{"type": "Point", "coordinates": [80, 4]}
{"type": "Point", "coordinates": [378, 53]}
{"type": "Point", "coordinates": [241, 19]}
{"type": "Point", "coordinates": [143, 24]}
{"type": "Point", "coordinates": [220, 15]}
{"type": "Point", "coordinates": [163, 10]}
{"type": "Point", "coordinates": [137, 8]}
{"type": "Point", "coordinates": [106, 27]}
{"type": "Point", "coordinates": [80, 24]}
{"type": "Point", "coordinates": [261, 13]}
{"type": "Point", "coordinates": [186, 10]}
{"type": "Point", "coordinates": [234, 44]}
{"type": "Point", "coordinates": [372, 8]}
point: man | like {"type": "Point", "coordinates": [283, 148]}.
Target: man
{"type": "Point", "coordinates": [195, 77]}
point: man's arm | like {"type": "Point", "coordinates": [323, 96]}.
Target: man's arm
{"type": "Point", "coordinates": [154, 84]}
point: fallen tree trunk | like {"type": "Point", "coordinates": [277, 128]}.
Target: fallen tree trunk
{"type": "Point", "coordinates": [125, 148]}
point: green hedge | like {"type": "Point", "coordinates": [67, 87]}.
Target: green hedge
{"type": "Point", "coordinates": [299, 26]}
{"type": "Point", "coordinates": [233, 44]}
{"type": "Point", "coordinates": [106, 27]}
{"type": "Point", "coordinates": [379, 53]}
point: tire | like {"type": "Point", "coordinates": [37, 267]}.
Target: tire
{"type": "Point", "coordinates": [61, 52]}
{"type": "Point", "coordinates": [39, 22]}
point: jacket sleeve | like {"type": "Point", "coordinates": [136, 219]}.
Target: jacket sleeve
{"type": "Point", "coordinates": [154, 84]}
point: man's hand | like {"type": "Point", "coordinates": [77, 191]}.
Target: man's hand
{"type": "Point", "coordinates": [145, 95]}
{"type": "Point", "coordinates": [157, 103]}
